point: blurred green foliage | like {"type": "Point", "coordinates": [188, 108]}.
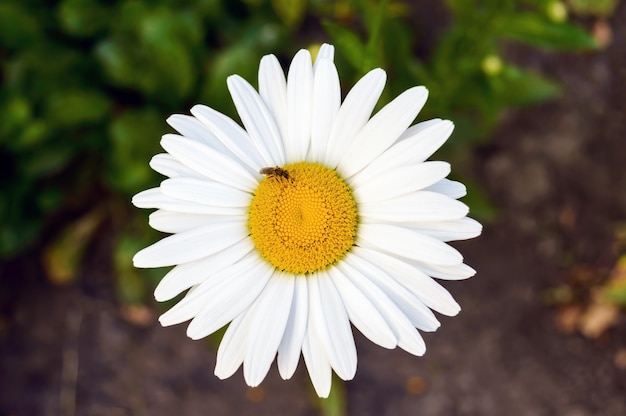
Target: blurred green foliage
{"type": "Point", "coordinates": [87, 84]}
{"type": "Point", "coordinates": [593, 7]}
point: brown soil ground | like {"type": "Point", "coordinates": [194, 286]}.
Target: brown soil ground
{"type": "Point", "coordinates": [558, 174]}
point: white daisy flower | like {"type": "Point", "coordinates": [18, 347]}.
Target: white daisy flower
{"type": "Point", "coordinates": [314, 217]}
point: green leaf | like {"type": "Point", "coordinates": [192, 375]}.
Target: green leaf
{"type": "Point", "coordinates": [18, 27]}
{"type": "Point", "coordinates": [375, 48]}
{"type": "Point", "coordinates": [83, 18]}
{"type": "Point", "coordinates": [239, 59]}
{"type": "Point", "coordinates": [34, 134]}
{"type": "Point", "coordinates": [117, 62]}
{"type": "Point", "coordinates": [348, 43]}
{"type": "Point", "coordinates": [397, 45]}
{"type": "Point", "coordinates": [47, 160]}
{"type": "Point", "coordinates": [164, 71]}
{"type": "Point", "coordinates": [516, 86]}
{"type": "Point", "coordinates": [174, 70]}
{"type": "Point", "coordinates": [603, 8]}
{"type": "Point", "coordinates": [76, 107]}
{"type": "Point", "coordinates": [153, 51]}
{"type": "Point", "coordinates": [17, 113]}
{"type": "Point", "coordinates": [538, 30]}
{"type": "Point", "coordinates": [134, 138]}
{"type": "Point", "coordinates": [44, 68]}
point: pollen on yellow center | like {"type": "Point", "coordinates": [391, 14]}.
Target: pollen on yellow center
{"type": "Point", "coordinates": [303, 221]}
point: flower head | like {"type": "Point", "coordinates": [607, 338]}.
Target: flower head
{"type": "Point", "coordinates": [313, 217]}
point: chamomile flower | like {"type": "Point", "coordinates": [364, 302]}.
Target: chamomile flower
{"type": "Point", "coordinates": [314, 216]}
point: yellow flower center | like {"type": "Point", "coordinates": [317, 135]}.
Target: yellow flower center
{"type": "Point", "coordinates": [303, 217]}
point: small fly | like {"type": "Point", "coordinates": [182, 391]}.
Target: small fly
{"type": "Point", "coordinates": [275, 172]}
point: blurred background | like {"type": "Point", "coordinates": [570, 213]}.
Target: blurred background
{"type": "Point", "coordinates": [536, 89]}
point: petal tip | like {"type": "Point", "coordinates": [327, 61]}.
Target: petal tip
{"type": "Point", "coordinates": [139, 260]}
{"type": "Point", "coordinates": [193, 333]}
{"type": "Point", "coordinates": [160, 295]}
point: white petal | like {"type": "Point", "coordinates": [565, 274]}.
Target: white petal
{"type": "Point", "coordinates": [326, 51]}
{"type": "Point", "coordinates": [299, 99]}
{"type": "Point", "coordinates": [233, 137]}
{"type": "Point", "coordinates": [413, 130]}
{"type": "Point", "coordinates": [155, 198]}
{"type": "Point", "coordinates": [271, 310]}
{"type": "Point", "coordinates": [184, 276]}
{"type": "Point", "coordinates": [417, 312]}
{"type": "Point", "coordinates": [327, 313]}
{"type": "Point", "coordinates": [404, 331]}
{"type": "Point", "coordinates": [406, 243]}
{"type": "Point", "coordinates": [410, 151]}
{"type": "Point", "coordinates": [255, 116]}
{"type": "Point", "coordinates": [413, 279]}
{"type": "Point", "coordinates": [353, 114]}
{"type": "Point", "coordinates": [205, 192]}
{"type": "Point", "coordinates": [363, 314]}
{"type": "Point", "coordinates": [414, 207]}
{"type": "Point", "coordinates": [166, 165]}
{"type": "Point", "coordinates": [196, 298]}
{"type": "Point", "coordinates": [461, 229]}
{"type": "Point", "coordinates": [291, 344]}
{"type": "Point", "coordinates": [317, 363]}
{"type": "Point", "coordinates": [185, 310]}
{"type": "Point", "coordinates": [177, 222]}
{"type": "Point", "coordinates": [326, 102]}
{"type": "Point", "coordinates": [456, 272]}
{"type": "Point", "coordinates": [449, 188]}
{"type": "Point", "coordinates": [382, 130]}
{"type": "Point", "coordinates": [191, 245]}
{"type": "Point", "coordinates": [419, 142]}
{"type": "Point", "coordinates": [273, 91]}
{"type": "Point", "coordinates": [233, 346]}
{"type": "Point", "coordinates": [193, 129]}
{"type": "Point", "coordinates": [210, 163]}
{"type": "Point", "coordinates": [398, 181]}
{"type": "Point", "coordinates": [228, 299]}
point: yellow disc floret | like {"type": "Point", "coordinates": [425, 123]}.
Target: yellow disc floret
{"type": "Point", "coordinates": [303, 219]}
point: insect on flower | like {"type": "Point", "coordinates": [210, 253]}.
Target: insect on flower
{"type": "Point", "coordinates": [275, 171]}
